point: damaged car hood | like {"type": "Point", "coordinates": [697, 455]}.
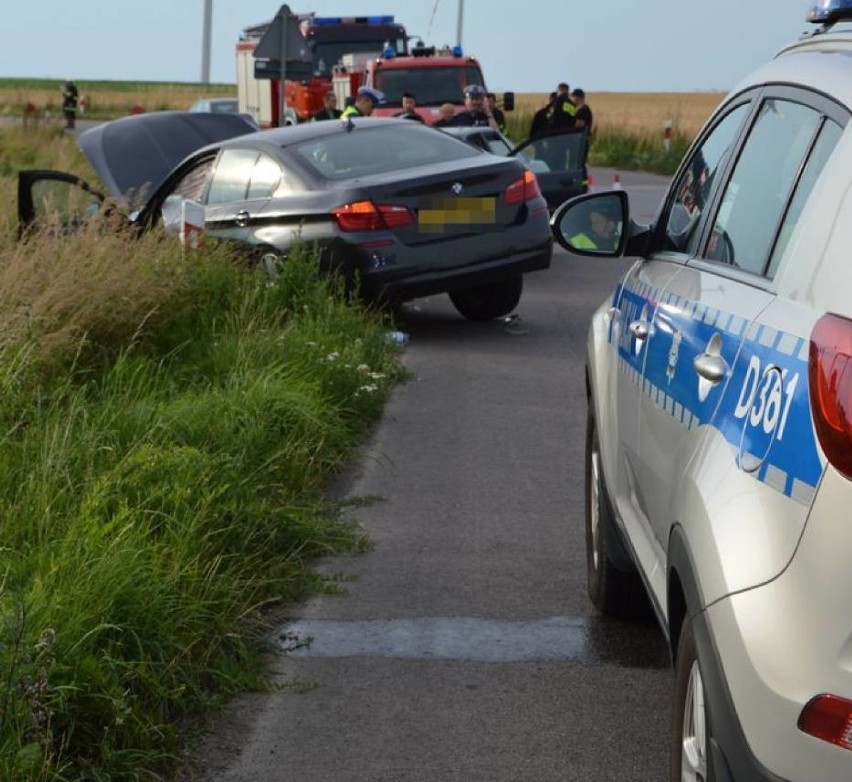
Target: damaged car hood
{"type": "Point", "coordinates": [133, 155]}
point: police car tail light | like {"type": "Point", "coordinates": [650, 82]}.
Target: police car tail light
{"type": "Point", "coordinates": [830, 380]}
{"type": "Point", "coordinates": [828, 717]}
{"type": "Point", "coordinates": [524, 188]}
{"type": "Point", "coordinates": [366, 216]}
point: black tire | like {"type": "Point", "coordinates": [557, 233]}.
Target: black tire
{"type": "Point", "coordinates": [489, 301]}
{"type": "Point", "coordinates": [613, 591]}
{"type": "Point", "coordinates": [691, 730]}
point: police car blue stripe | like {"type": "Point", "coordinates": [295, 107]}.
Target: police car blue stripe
{"type": "Point", "coordinates": [761, 409]}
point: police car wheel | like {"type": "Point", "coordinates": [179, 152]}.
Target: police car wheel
{"type": "Point", "coordinates": [613, 591]}
{"type": "Point", "coordinates": [489, 301]}
{"type": "Point", "coordinates": [690, 750]}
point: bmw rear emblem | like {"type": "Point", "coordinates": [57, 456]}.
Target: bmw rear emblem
{"type": "Point", "coordinates": [457, 188]}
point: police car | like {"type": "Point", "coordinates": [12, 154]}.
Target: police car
{"type": "Point", "coordinates": [719, 441]}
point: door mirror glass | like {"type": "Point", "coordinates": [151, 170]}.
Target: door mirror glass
{"type": "Point", "coordinates": [592, 226]}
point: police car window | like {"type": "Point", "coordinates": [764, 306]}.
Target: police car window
{"type": "Point", "coordinates": [827, 140]}
{"type": "Point", "coordinates": [759, 188]}
{"type": "Point", "coordinates": [265, 178]}
{"type": "Point", "coordinates": [231, 177]}
{"type": "Point", "coordinates": [695, 186]}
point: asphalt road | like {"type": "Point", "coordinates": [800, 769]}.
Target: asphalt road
{"type": "Point", "coordinates": [465, 647]}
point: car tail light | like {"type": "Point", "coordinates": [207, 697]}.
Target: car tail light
{"type": "Point", "coordinates": [524, 188]}
{"type": "Point", "coordinates": [830, 380]}
{"type": "Point", "coordinates": [828, 717]}
{"type": "Point", "coordinates": [366, 216]}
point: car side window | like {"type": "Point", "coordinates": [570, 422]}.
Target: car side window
{"type": "Point", "coordinates": [757, 194]}
{"type": "Point", "coordinates": [826, 141]}
{"type": "Point", "coordinates": [231, 176]}
{"type": "Point", "coordinates": [265, 177]}
{"type": "Point", "coordinates": [695, 187]}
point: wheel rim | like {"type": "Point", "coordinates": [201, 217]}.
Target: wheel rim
{"type": "Point", "coordinates": [594, 506]}
{"type": "Point", "coordinates": [693, 746]}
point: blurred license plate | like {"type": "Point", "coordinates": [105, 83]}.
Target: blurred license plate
{"type": "Point", "coordinates": [444, 212]}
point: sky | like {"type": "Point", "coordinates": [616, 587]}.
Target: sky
{"type": "Point", "coordinates": [530, 46]}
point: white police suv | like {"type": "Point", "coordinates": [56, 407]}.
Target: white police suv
{"type": "Point", "coordinates": [719, 446]}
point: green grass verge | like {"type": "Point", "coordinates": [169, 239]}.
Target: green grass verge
{"type": "Point", "coordinates": [169, 425]}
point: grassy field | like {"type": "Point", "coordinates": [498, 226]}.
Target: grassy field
{"type": "Point", "coordinates": [629, 125]}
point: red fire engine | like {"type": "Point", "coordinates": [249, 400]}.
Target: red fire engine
{"type": "Point", "coordinates": [331, 40]}
{"type": "Point", "coordinates": [433, 76]}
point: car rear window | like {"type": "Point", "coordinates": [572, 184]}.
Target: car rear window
{"type": "Point", "coordinates": [376, 150]}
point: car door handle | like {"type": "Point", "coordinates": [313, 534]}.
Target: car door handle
{"type": "Point", "coordinates": [640, 329]}
{"type": "Point", "coordinates": [242, 218]}
{"type": "Point", "coordinates": [711, 367]}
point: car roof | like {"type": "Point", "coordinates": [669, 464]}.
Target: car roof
{"type": "Point", "coordinates": [820, 61]}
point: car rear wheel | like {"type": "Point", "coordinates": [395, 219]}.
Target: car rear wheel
{"type": "Point", "coordinates": [690, 759]}
{"type": "Point", "coordinates": [489, 301]}
{"type": "Point", "coordinates": [613, 590]}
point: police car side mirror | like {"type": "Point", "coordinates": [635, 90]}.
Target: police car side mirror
{"type": "Point", "coordinates": [508, 101]}
{"type": "Point", "coordinates": [593, 224]}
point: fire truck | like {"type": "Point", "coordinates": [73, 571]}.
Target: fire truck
{"type": "Point", "coordinates": [433, 76]}
{"type": "Point", "coordinates": [332, 41]}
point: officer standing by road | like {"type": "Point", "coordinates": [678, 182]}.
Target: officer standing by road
{"type": "Point", "coordinates": [365, 103]}
{"type": "Point", "coordinates": [541, 119]}
{"type": "Point", "coordinates": [69, 103]}
{"type": "Point", "coordinates": [564, 114]}
{"type": "Point", "coordinates": [476, 112]}
{"type": "Point", "coordinates": [584, 113]}
{"type": "Point", "coordinates": [329, 110]}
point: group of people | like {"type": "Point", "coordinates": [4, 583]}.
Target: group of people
{"type": "Point", "coordinates": [565, 108]}
{"type": "Point", "coordinates": [480, 108]}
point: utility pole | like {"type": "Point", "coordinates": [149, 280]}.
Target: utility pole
{"type": "Point", "coordinates": [459, 24]}
{"type": "Point", "coordinates": [207, 34]}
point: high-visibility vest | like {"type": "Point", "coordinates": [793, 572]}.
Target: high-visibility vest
{"type": "Point", "coordinates": [351, 111]}
{"type": "Point", "coordinates": [582, 242]}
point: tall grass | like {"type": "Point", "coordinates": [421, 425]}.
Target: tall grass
{"type": "Point", "coordinates": [168, 424]}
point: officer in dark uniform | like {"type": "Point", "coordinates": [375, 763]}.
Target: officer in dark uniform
{"type": "Point", "coordinates": [69, 103]}
{"type": "Point", "coordinates": [329, 110]}
{"type": "Point", "coordinates": [584, 113]}
{"type": "Point", "coordinates": [475, 112]}
{"type": "Point", "coordinates": [365, 103]}
{"type": "Point", "coordinates": [541, 119]}
{"type": "Point", "coordinates": [564, 114]}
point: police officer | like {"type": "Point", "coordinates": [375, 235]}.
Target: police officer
{"type": "Point", "coordinates": [475, 112]}
{"type": "Point", "coordinates": [365, 103]}
{"type": "Point", "coordinates": [408, 108]}
{"type": "Point", "coordinates": [564, 114]}
{"type": "Point", "coordinates": [69, 103]}
{"type": "Point", "coordinates": [329, 110]}
{"type": "Point", "coordinates": [602, 232]}
{"type": "Point", "coordinates": [541, 119]}
{"type": "Point", "coordinates": [584, 113]}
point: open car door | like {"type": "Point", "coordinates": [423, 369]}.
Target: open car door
{"type": "Point", "coordinates": [54, 200]}
{"type": "Point", "coordinates": [559, 162]}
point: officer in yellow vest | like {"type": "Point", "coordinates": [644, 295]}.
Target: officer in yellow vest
{"type": "Point", "coordinates": [365, 103]}
{"type": "Point", "coordinates": [602, 233]}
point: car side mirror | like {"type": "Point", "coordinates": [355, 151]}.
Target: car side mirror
{"type": "Point", "coordinates": [508, 101]}
{"type": "Point", "coordinates": [593, 224]}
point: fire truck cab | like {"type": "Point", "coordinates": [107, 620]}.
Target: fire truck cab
{"type": "Point", "coordinates": [433, 76]}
